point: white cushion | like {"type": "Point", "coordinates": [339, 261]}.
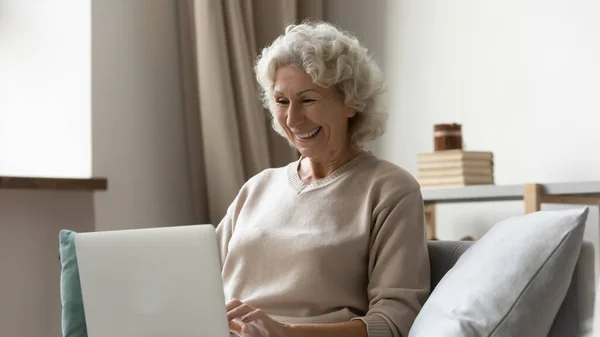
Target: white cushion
{"type": "Point", "coordinates": [509, 283]}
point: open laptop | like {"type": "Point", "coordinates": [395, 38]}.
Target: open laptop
{"type": "Point", "coordinates": [152, 282]}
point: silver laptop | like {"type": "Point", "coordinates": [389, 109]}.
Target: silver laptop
{"type": "Point", "coordinates": [152, 282]}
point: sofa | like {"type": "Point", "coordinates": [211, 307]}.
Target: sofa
{"type": "Point", "coordinates": [529, 275]}
{"type": "Point", "coordinates": [575, 316]}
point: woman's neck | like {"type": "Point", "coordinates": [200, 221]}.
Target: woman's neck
{"type": "Point", "coordinates": [314, 169]}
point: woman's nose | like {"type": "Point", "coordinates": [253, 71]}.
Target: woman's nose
{"type": "Point", "coordinates": [295, 115]}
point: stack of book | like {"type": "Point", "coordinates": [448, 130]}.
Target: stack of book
{"type": "Point", "coordinates": [455, 168]}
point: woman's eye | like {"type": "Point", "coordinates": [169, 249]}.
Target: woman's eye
{"type": "Point", "coordinates": [281, 101]}
{"type": "Point", "coordinates": [308, 100]}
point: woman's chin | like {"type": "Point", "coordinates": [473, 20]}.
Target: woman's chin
{"type": "Point", "coordinates": [307, 148]}
{"type": "Point", "coordinates": [307, 151]}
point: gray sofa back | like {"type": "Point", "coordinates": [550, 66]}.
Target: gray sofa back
{"type": "Point", "coordinates": [575, 316]}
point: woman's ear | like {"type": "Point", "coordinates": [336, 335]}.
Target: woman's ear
{"type": "Point", "coordinates": [350, 112]}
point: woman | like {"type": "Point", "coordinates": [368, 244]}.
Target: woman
{"type": "Point", "coordinates": [334, 244]}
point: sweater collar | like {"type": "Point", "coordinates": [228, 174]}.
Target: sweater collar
{"type": "Point", "coordinates": [299, 185]}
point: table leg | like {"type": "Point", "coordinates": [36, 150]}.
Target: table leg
{"type": "Point", "coordinates": [532, 196]}
{"type": "Point", "coordinates": [430, 221]}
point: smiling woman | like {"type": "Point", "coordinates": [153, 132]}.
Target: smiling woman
{"type": "Point", "coordinates": [314, 118]}
{"type": "Point", "coordinates": [334, 243]}
{"type": "Point", "coordinates": [331, 60]}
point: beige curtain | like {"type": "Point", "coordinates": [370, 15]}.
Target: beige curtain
{"type": "Point", "coordinates": [228, 132]}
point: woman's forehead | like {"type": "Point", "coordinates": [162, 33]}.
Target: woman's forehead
{"type": "Point", "coordinates": [295, 81]}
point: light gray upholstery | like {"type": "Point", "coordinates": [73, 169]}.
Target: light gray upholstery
{"type": "Point", "coordinates": [575, 316]}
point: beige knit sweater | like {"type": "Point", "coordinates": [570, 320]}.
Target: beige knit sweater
{"type": "Point", "coordinates": [350, 246]}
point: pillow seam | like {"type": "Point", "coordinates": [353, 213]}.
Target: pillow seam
{"type": "Point", "coordinates": [456, 248]}
{"type": "Point", "coordinates": [564, 238]}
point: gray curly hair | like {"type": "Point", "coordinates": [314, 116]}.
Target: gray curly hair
{"type": "Point", "coordinates": [330, 57]}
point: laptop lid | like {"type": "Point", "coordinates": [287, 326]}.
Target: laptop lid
{"type": "Point", "coordinates": [152, 282]}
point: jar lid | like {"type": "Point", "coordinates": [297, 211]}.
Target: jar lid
{"type": "Point", "coordinates": [448, 127]}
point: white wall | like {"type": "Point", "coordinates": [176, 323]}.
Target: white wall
{"type": "Point", "coordinates": [138, 128]}
{"type": "Point", "coordinates": [45, 88]}
{"type": "Point", "coordinates": [521, 76]}
{"type": "Point", "coordinates": [29, 266]}
{"type": "Point", "coordinates": [44, 131]}
{"type": "Point", "coordinates": [138, 144]}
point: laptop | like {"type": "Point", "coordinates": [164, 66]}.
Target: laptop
{"type": "Point", "coordinates": [152, 282]}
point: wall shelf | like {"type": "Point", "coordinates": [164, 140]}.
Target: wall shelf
{"type": "Point", "coordinates": [476, 193]}
{"type": "Point", "coordinates": [60, 184]}
{"type": "Point", "coordinates": [533, 195]}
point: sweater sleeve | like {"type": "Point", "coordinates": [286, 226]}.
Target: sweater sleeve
{"type": "Point", "coordinates": [224, 233]}
{"type": "Point", "coordinates": [226, 227]}
{"type": "Point", "coordinates": [399, 272]}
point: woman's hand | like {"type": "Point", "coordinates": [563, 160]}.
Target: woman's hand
{"type": "Point", "coordinates": [246, 321]}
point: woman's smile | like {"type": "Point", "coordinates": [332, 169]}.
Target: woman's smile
{"type": "Point", "coordinates": [308, 135]}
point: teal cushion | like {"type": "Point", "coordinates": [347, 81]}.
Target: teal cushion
{"type": "Point", "coordinates": [73, 316]}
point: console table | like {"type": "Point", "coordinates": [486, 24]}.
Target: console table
{"type": "Point", "coordinates": [533, 195]}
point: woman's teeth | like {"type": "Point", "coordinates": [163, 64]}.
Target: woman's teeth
{"type": "Point", "coordinates": [310, 134]}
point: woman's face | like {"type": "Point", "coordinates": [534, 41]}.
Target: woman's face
{"type": "Point", "coordinates": [315, 119]}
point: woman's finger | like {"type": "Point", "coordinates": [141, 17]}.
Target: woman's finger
{"type": "Point", "coordinates": [235, 327]}
{"type": "Point", "coordinates": [251, 316]}
{"type": "Point", "coordinates": [238, 312]}
{"type": "Point", "coordinates": [233, 303]}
